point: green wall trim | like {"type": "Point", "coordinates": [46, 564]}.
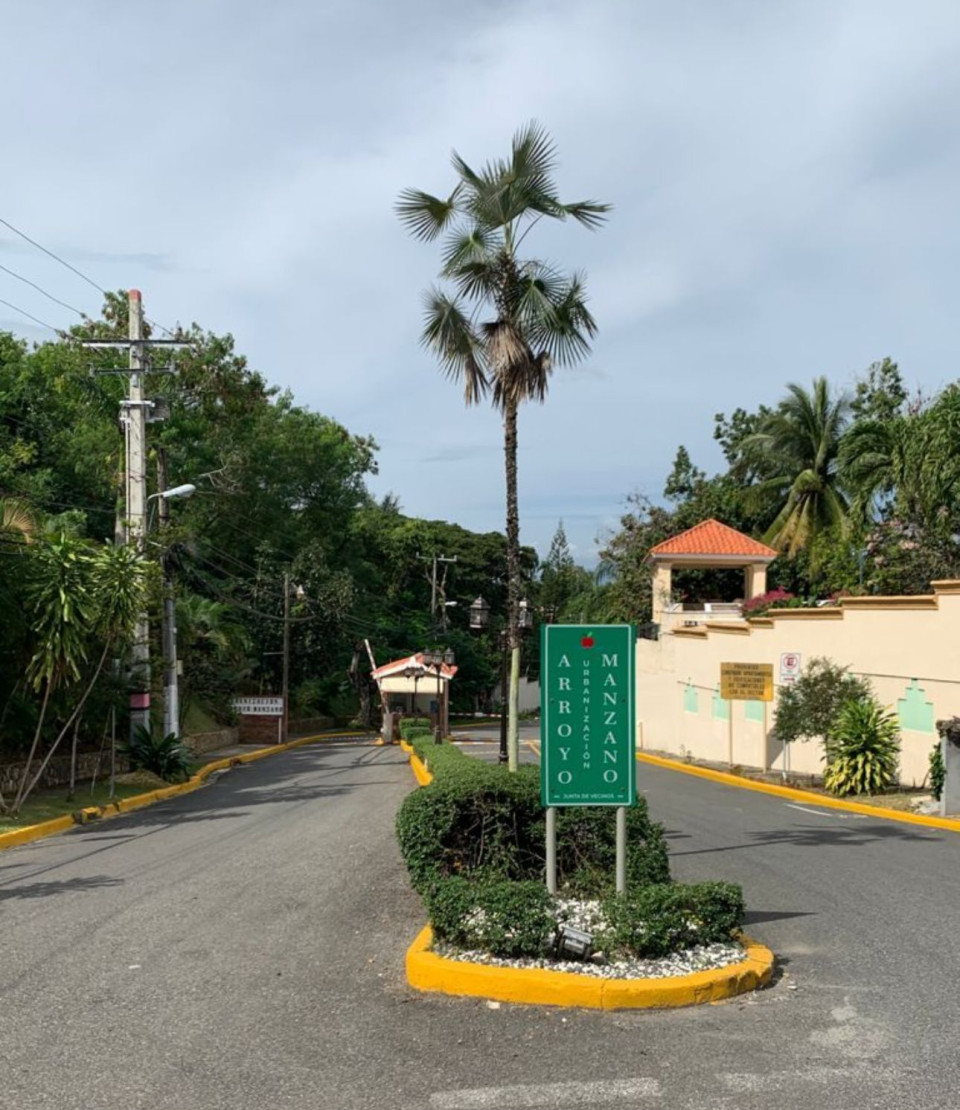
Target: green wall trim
{"type": "Point", "coordinates": [721, 708]}
{"type": "Point", "coordinates": [691, 703]}
{"type": "Point", "coordinates": [914, 711]}
{"type": "Point", "coordinates": [753, 711]}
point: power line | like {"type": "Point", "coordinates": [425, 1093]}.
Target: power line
{"type": "Point", "coordinates": [63, 262]}
{"type": "Point", "coordinates": [40, 289]}
{"type": "Point", "coordinates": [56, 257]}
{"type": "Point", "coordinates": [42, 323]}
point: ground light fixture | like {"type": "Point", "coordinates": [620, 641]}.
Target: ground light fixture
{"type": "Point", "coordinates": [574, 942]}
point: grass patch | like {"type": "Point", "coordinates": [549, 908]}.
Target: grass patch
{"type": "Point", "coordinates": [45, 805]}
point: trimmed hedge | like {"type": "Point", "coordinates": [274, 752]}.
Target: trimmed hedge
{"type": "Point", "coordinates": [507, 919]}
{"type": "Point", "coordinates": [411, 726]}
{"type": "Point", "coordinates": [478, 821]}
{"type": "Point", "coordinates": [656, 920]}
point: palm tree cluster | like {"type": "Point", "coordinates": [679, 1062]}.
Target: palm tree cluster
{"type": "Point", "coordinates": [831, 467]}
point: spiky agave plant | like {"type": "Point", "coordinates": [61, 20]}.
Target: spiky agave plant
{"type": "Point", "coordinates": [862, 750]}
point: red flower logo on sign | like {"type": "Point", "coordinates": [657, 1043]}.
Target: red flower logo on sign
{"type": "Point", "coordinates": [587, 642]}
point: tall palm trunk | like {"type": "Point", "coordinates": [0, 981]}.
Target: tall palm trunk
{"type": "Point", "coordinates": [513, 580]}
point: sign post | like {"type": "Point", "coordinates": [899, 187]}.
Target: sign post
{"type": "Point", "coordinates": [744, 682]}
{"type": "Point", "coordinates": [587, 726]}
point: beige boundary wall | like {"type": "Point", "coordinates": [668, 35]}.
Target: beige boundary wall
{"type": "Point", "coordinates": [908, 648]}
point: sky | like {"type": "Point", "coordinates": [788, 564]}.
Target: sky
{"type": "Point", "coordinates": [783, 173]}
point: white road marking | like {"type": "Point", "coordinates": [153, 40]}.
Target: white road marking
{"type": "Point", "coordinates": [817, 812]}
{"type": "Point", "coordinates": [602, 1092]}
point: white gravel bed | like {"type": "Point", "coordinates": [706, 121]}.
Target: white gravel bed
{"type": "Point", "coordinates": [702, 958]}
{"type": "Point", "coordinates": [587, 915]}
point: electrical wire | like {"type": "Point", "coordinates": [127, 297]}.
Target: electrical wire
{"type": "Point", "coordinates": [63, 262]}
{"type": "Point", "coordinates": [56, 257]}
{"type": "Point", "coordinates": [42, 323]}
{"type": "Point", "coordinates": [40, 289]}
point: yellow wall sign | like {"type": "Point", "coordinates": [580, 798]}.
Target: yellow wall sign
{"type": "Point", "coordinates": [746, 681]}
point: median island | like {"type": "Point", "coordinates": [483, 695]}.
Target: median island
{"type": "Point", "coordinates": [474, 842]}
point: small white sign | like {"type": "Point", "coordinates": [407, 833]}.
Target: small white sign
{"type": "Point", "coordinates": [258, 707]}
{"type": "Point", "coordinates": [789, 667]}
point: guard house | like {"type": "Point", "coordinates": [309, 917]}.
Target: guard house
{"type": "Point", "coordinates": [412, 688]}
{"type": "Point", "coordinates": [709, 545]}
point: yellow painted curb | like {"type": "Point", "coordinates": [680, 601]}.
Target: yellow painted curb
{"type": "Point", "coordinates": [428, 972]}
{"type": "Point", "coordinates": [791, 792]}
{"type": "Point", "coordinates": [137, 801]}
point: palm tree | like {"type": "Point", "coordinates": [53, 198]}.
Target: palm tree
{"type": "Point", "coordinates": [800, 441]}
{"type": "Point", "coordinates": [508, 320]}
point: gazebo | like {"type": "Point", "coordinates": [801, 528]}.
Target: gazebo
{"type": "Point", "coordinates": [709, 545]}
{"type": "Point", "coordinates": [412, 686]}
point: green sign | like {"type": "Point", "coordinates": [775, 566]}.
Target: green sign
{"type": "Point", "coordinates": [587, 684]}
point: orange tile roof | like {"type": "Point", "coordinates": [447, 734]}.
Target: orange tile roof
{"type": "Point", "coordinates": [710, 537]}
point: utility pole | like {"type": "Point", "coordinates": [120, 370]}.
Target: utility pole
{"type": "Point", "coordinates": [436, 589]}
{"type": "Point", "coordinates": [137, 506]}
{"type": "Point", "coordinates": [171, 682]}
{"type": "Point", "coordinates": [133, 415]}
{"type": "Point", "coordinates": [285, 685]}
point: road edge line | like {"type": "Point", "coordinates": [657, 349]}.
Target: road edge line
{"type": "Point", "coordinates": [791, 792]}
{"type": "Point", "coordinates": [29, 833]}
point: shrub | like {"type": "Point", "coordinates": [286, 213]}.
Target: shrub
{"type": "Point", "coordinates": [862, 749]}
{"type": "Point", "coordinates": [667, 917]}
{"type": "Point", "coordinates": [937, 771]}
{"type": "Point", "coordinates": [778, 598]}
{"type": "Point", "coordinates": [478, 821]}
{"type": "Point", "coordinates": [409, 726]}
{"type": "Point", "coordinates": [165, 756]}
{"type": "Point", "coordinates": [504, 918]}
{"type": "Point", "coordinates": [811, 705]}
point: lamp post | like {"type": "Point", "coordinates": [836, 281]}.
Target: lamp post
{"type": "Point", "coordinates": [285, 681]}
{"type": "Point", "coordinates": [479, 620]}
{"type": "Point", "coordinates": [436, 660]}
{"type": "Point", "coordinates": [171, 681]}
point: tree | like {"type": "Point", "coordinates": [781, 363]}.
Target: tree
{"type": "Point", "coordinates": [800, 441]}
{"type": "Point", "coordinates": [81, 598]}
{"type": "Point", "coordinates": [684, 479]}
{"type": "Point", "coordinates": [509, 319]}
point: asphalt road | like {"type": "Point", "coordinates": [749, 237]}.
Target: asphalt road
{"type": "Point", "coordinates": [242, 947]}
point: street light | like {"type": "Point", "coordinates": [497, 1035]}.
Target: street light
{"type": "Point", "coordinates": [479, 620]}
{"type": "Point", "coordinates": [171, 680]}
{"type": "Point", "coordinates": [435, 660]}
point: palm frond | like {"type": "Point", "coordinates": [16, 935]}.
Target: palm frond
{"type": "Point", "coordinates": [472, 244]}
{"type": "Point", "coordinates": [590, 213]}
{"type": "Point", "coordinates": [426, 216]}
{"type": "Point", "coordinates": [449, 333]}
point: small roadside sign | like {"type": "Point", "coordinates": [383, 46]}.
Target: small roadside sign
{"type": "Point", "coordinates": [789, 667]}
{"type": "Point", "coordinates": [746, 681]}
{"type": "Point", "coordinates": [258, 707]}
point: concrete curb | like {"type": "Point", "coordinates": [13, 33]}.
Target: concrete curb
{"type": "Point", "coordinates": [137, 801]}
{"type": "Point", "coordinates": [791, 792]}
{"type": "Point", "coordinates": [427, 971]}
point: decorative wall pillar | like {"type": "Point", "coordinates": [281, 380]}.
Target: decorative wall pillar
{"type": "Point", "coordinates": [754, 580]}
{"type": "Point", "coordinates": [662, 588]}
{"type": "Point", "coordinates": [950, 750]}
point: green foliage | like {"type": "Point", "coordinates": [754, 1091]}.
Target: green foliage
{"type": "Point", "coordinates": [938, 771]}
{"type": "Point", "coordinates": [477, 821]}
{"type": "Point", "coordinates": [810, 707]}
{"type": "Point", "coordinates": [508, 919]}
{"type": "Point", "coordinates": [165, 756]}
{"type": "Point", "coordinates": [863, 749]}
{"type": "Point", "coordinates": [413, 726]}
{"type": "Point", "coordinates": [656, 920]}
{"type": "Point", "coordinates": [800, 442]}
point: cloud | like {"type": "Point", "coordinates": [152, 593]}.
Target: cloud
{"type": "Point", "coordinates": [783, 178]}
